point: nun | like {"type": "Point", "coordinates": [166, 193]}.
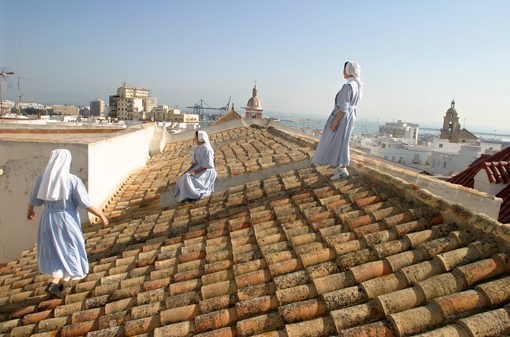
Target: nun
{"type": "Point", "coordinates": [198, 181]}
{"type": "Point", "coordinates": [60, 244]}
{"type": "Point", "coordinates": [333, 147]}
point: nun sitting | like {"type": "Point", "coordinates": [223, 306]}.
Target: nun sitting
{"type": "Point", "coordinates": [60, 244]}
{"type": "Point", "coordinates": [198, 181]}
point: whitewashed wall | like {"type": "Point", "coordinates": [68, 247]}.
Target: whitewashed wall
{"type": "Point", "coordinates": [112, 160]}
{"type": "Point", "coordinates": [22, 162]}
{"type": "Point", "coordinates": [102, 166]}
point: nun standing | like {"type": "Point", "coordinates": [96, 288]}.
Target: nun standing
{"type": "Point", "coordinates": [198, 181]}
{"type": "Point", "coordinates": [60, 244]}
{"type": "Point", "coordinates": [333, 147]}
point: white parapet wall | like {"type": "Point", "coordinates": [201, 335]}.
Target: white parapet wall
{"type": "Point", "coordinates": [471, 199]}
{"type": "Point", "coordinates": [112, 160]}
{"type": "Point", "coordinates": [103, 164]}
{"type": "Point", "coordinates": [22, 162]}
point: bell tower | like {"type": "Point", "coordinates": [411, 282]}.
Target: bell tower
{"type": "Point", "coordinates": [451, 125]}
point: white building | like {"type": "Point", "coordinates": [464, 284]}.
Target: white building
{"type": "Point", "coordinates": [438, 157]}
{"type": "Point", "coordinates": [6, 106]}
{"type": "Point", "coordinates": [66, 109]}
{"type": "Point", "coordinates": [131, 103]}
{"type": "Point", "coordinates": [407, 132]}
{"type": "Point", "coordinates": [97, 107]}
{"type": "Point", "coordinates": [163, 113]}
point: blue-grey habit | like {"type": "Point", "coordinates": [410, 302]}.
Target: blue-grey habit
{"type": "Point", "coordinates": [60, 243]}
{"type": "Point", "coordinates": [199, 185]}
{"type": "Point", "coordinates": [333, 147]}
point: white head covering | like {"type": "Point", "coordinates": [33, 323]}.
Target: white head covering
{"type": "Point", "coordinates": [354, 69]}
{"type": "Point", "coordinates": [55, 179]}
{"type": "Point", "coordinates": [203, 137]}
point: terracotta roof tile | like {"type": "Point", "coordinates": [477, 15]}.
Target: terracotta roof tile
{"type": "Point", "coordinates": [289, 255]}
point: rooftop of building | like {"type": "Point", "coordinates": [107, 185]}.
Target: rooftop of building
{"type": "Point", "coordinates": [497, 168]}
{"type": "Point", "coordinates": [62, 133]}
{"type": "Point", "coordinates": [288, 254]}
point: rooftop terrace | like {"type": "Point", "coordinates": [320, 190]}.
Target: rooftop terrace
{"type": "Point", "coordinates": [290, 254]}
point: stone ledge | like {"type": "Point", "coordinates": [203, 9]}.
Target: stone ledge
{"type": "Point", "coordinates": [454, 212]}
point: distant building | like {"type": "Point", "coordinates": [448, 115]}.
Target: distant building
{"type": "Point", "coordinates": [5, 107]}
{"type": "Point", "coordinates": [97, 107]}
{"type": "Point", "coordinates": [437, 157]}
{"type": "Point", "coordinates": [408, 132]}
{"type": "Point", "coordinates": [66, 109]}
{"type": "Point", "coordinates": [131, 103]}
{"type": "Point", "coordinates": [254, 106]}
{"type": "Point", "coordinates": [451, 128]}
{"type": "Point", "coordinates": [85, 112]}
{"type": "Point", "coordinates": [163, 113]}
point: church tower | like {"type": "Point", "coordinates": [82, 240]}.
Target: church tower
{"type": "Point", "coordinates": [451, 125]}
{"type": "Point", "coordinates": [254, 106]}
{"type": "Point", "coordinates": [451, 128]}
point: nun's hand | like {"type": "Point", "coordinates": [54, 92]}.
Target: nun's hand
{"type": "Point", "coordinates": [104, 220]}
{"type": "Point", "coordinates": [31, 214]}
{"type": "Point", "coordinates": [333, 126]}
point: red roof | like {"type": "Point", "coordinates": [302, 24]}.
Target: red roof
{"type": "Point", "coordinates": [497, 167]}
{"type": "Point", "coordinates": [497, 171]}
{"type": "Point", "coordinates": [504, 212]}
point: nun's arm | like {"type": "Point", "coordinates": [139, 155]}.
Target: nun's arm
{"type": "Point", "coordinates": [338, 117]}
{"type": "Point", "coordinates": [99, 214]}
{"type": "Point", "coordinates": [197, 171]}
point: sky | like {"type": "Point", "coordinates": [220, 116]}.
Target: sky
{"type": "Point", "coordinates": [415, 55]}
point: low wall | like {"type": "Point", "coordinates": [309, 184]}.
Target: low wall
{"type": "Point", "coordinates": [472, 199]}
{"type": "Point", "coordinates": [21, 163]}
{"type": "Point", "coordinates": [112, 160]}
{"type": "Point", "coordinates": [102, 165]}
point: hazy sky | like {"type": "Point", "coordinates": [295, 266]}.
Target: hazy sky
{"type": "Point", "coordinates": [415, 55]}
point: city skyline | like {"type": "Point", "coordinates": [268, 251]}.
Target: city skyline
{"type": "Point", "coordinates": [415, 57]}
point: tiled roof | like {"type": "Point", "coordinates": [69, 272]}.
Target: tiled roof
{"type": "Point", "coordinates": [230, 115]}
{"type": "Point", "coordinates": [497, 172]}
{"type": "Point", "coordinates": [289, 255]}
{"type": "Point", "coordinates": [504, 212]}
{"type": "Point", "coordinates": [466, 177]}
{"type": "Point", "coordinates": [497, 167]}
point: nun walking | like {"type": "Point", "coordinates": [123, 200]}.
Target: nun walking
{"type": "Point", "coordinates": [333, 147]}
{"type": "Point", "coordinates": [60, 244]}
{"type": "Point", "coordinates": [198, 181]}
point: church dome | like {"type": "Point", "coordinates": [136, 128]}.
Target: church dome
{"type": "Point", "coordinates": [254, 101]}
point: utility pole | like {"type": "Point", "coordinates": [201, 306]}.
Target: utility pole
{"type": "Point", "coordinates": [18, 104]}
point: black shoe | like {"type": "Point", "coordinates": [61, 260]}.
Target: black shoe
{"type": "Point", "coordinates": [55, 289]}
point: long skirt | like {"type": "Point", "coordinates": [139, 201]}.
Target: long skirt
{"type": "Point", "coordinates": [333, 147]}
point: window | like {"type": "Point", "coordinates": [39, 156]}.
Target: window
{"type": "Point", "coordinates": [440, 145]}
{"type": "Point", "coordinates": [444, 165]}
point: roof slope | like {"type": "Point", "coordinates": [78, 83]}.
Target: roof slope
{"type": "Point", "coordinates": [230, 115]}
{"type": "Point", "coordinates": [289, 255]}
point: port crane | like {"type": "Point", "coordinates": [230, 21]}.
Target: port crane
{"type": "Point", "coordinates": [201, 108]}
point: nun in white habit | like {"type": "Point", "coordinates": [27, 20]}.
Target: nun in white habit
{"type": "Point", "coordinates": [60, 244]}
{"type": "Point", "coordinates": [198, 181]}
{"type": "Point", "coordinates": [333, 147]}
